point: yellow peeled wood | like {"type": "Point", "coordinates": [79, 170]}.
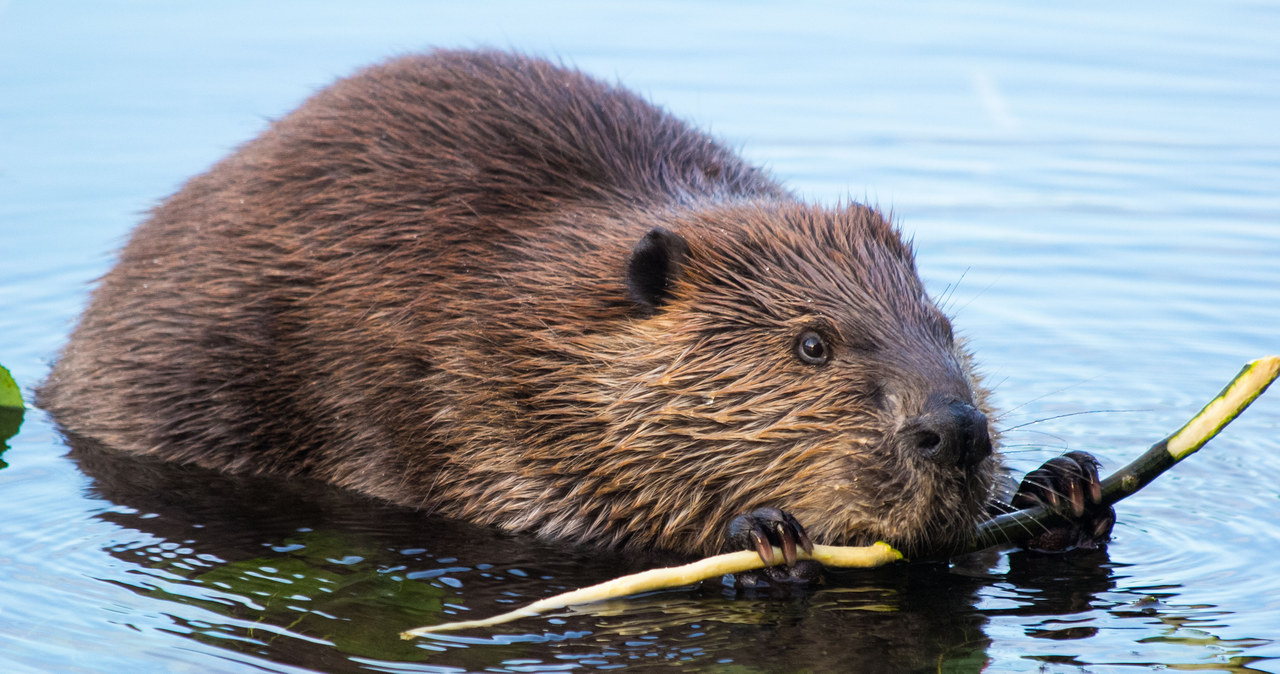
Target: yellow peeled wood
{"type": "Point", "coordinates": [675, 576]}
{"type": "Point", "coordinates": [1247, 386]}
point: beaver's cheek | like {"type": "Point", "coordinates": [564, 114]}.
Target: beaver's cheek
{"type": "Point", "coordinates": [840, 512]}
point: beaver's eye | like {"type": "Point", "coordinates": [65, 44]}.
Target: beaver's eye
{"type": "Point", "coordinates": [812, 349]}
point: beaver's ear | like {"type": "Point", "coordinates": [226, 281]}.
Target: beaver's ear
{"type": "Point", "coordinates": [654, 264]}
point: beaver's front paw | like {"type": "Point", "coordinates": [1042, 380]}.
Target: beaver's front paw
{"type": "Point", "coordinates": [762, 530]}
{"type": "Point", "coordinates": [1068, 484]}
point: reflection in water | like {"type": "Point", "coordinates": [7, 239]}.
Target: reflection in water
{"type": "Point", "coordinates": [304, 574]}
{"type": "Point", "coordinates": [10, 423]}
{"type": "Point", "coordinates": [283, 570]}
{"type": "Point", "coordinates": [1055, 585]}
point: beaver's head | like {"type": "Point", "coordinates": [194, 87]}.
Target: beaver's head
{"type": "Point", "coordinates": [791, 357]}
{"type": "Point", "coordinates": [763, 355]}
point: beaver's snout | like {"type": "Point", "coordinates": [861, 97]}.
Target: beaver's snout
{"type": "Point", "coordinates": [949, 432]}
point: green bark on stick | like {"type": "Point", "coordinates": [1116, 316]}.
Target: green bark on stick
{"type": "Point", "coordinates": [1019, 526]}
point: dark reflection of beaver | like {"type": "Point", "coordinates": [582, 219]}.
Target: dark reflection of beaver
{"type": "Point", "coordinates": [500, 290]}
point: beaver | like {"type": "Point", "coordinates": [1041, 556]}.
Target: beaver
{"type": "Point", "coordinates": [495, 288]}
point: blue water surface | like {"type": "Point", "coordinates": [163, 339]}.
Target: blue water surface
{"type": "Point", "coordinates": [1093, 189]}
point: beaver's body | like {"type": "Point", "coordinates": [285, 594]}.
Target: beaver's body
{"type": "Point", "coordinates": [497, 289]}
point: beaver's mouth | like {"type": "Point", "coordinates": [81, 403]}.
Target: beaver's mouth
{"type": "Point", "coordinates": [918, 508]}
{"type": "Point", "coordinates": [938, 518]}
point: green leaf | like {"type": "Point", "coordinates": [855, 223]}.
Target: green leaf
{"type": "Point", "coordinates": [11, 409]}
{"type": "Point", "coordinates": [10, 396]}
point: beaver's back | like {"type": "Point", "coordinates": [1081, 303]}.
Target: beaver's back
{"type": "Point", "coordinates": [289, 310]}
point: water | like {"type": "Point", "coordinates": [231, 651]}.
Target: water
{"type": "Point", "coordinates": [1095, 189]}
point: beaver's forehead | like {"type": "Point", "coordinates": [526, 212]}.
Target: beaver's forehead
{"type": "Point", "coordinates": [811, 268]}
{"type": "Point", "coordinates": [796, 236]}
{"type": "Point", "coordinates": [781, 261]}
{"type": "Point", "coordinates": [765, 290]}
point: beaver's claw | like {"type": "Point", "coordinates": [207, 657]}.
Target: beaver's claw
{"type": "Point", "coordinates": [765, 528]}
{"type": "Point", "coordinates": [1068, 484]}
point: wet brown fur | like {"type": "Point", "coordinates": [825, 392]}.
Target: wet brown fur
{"type": "Point", "coordinates": [414, 286]}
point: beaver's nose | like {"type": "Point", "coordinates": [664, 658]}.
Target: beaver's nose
{"type": "Point", "coordinates": [950, 433]}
